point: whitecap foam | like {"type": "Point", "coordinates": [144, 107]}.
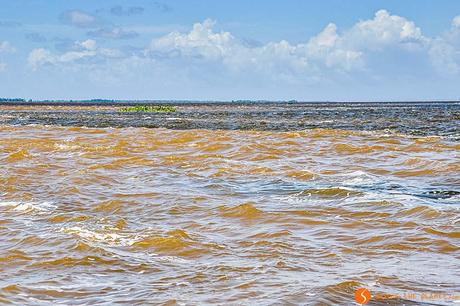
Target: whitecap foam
{"type": "Point", "coordinates": [29, 207]}
{"type": "Point", "coordinates": [65, 147]}
{"type": "Point", "coordinates": [358, 177]}
{"type": "Point", "coordinates": [111, 238]}
{"type": "Point", "coordinates": [111, 242]}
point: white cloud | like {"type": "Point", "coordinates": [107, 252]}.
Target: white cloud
{"type": "Point", "coordinates": [347, 51]}
{"type": "Point", "coordinates": [444, 57]}
{"type": "Point", "coordinates": [444, 50]}
{"type": "Point", "coordinates": [201, 41]}
{"type": "Point", "coordinates": [83, 50]}
{"type": "Point", "coordinates": [113, 33]}
{"type": "Point", "coordinates": [89, 44]}
{"type": "Point", "coordinates": [39, 57]}
{"type": "Point", "coordinates": [331, 52]}
{"type": "Point", "coordinates": [6, 47]}
{"type": "Point", "coordinates": [456, 21]}
{"type": "Point", "coordinates": [204, 45]}
{"type": "Point", "coordinates": [329, 48]}
{"type": "Point", "coordinates": [80, 19]}
{"type": "Point", "coordinates": [383, 30]}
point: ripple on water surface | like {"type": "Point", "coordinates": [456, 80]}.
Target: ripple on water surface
{"type": "Point", "coordinates": [104, 216]}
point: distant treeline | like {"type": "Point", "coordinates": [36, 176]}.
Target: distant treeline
{"type": "Point", "coordinates": [261, 101]}
{"type": "Point", "coordinates": [91, 100]}
{"type": "Point", "coordinates": [135, 101]}
{"type": "Point", "coordinates": [30, 100]}
{"type": "Point", "coordinates": [12, 100]}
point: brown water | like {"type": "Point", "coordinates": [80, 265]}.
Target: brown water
{"type": "Point", "coordinates": [156, 216]}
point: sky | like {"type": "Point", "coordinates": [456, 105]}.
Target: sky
{"type": "Point", "coordinates": [329, 50]}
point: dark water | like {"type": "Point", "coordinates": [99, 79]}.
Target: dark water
{"type": "Point", "coordinates": [246, 205]}
{"type": "Point", "coordinates": [442, 119]}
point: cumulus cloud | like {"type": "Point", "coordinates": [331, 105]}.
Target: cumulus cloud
{"type": "Point", "coordinates": [85, 52]}
{"type": "Point", "coordinates": [331, 51]}
{"type": "Point", "coordinates": [348, 49]}
{"type": "Point", "coordinates": [382, 31]}
{"type": "Point", "coordinates": [200, 42]}
{"type": "Point", "coordinates": [204, 46]}
{"type": "Point", "coordinates": [39, 57]}
{"type": "Point", "coordinates": [79, 19]}
{"type": "Point", "coordinates": [113, 33]}
{"type": "Point", "coordinates": [203, 43]}
{"type": "Point", "coordinates": [129, 11]}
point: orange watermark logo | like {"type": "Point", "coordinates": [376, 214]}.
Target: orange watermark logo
{"type": "Point", "coordinates": [362, 296]}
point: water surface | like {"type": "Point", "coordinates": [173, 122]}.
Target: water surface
{"type": "Point", "coordinates": [135, 215]}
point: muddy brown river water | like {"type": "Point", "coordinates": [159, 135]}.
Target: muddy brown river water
{"type": "Point", "coordinates": [272, 206]}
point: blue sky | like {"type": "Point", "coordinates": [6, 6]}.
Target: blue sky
{"type": "Point", "coordinates": [224, 50]}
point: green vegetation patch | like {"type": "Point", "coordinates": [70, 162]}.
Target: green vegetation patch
{"type": "Point", "coordinates": [149, 109]}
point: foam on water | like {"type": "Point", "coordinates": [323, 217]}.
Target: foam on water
{"type": "Point", "coordinates": [41, 207]}
{"type": "Point", "coordinates": [109, 238]}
